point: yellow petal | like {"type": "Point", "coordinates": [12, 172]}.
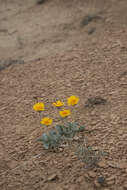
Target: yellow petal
{"type": "Point", "coordinates": [46, 121]}
{"type": "Point", "coordinates": [64, 113]}
{"type": "Point", "coordinates": [39, 106]}
{"type": "Point", "coordinates": [72, 100]}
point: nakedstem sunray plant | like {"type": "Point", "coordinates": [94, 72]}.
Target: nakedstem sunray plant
{"type": "Point", "coordinates": [39, 106]}
{"type": "Point", "coordinates": [63, 131]}
{"type": "Point", "coordinates": [72, 100]}
{"type": "Point", "coordinates": [46, 121]}
{"type": "Point", "coordinates": [65, 113]}
{"type": "Point", "coordinates": [58, 104]}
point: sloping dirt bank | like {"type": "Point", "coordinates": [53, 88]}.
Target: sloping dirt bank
{"type": "Point", "coordinates": [88, 59]}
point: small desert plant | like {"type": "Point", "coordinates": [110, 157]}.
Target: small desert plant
{"type": "Point", "coordinates": [51, 140]}
{"type": "Point", "coordinates": [62, 132]}
{"type": "Point", "coordinates": [69, 130]}
{"type": "Point", "coordinates": [65, 131]}
{"type": "Point", "coordinates": [89, 156]}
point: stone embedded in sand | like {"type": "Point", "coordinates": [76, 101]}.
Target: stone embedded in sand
{"type": "Point", "coordinates": [12, 164]}
{"type": "Point", "coordinates": [111, 180]}
{"type": "Point", "coordinates": [40, 1]}
{"type": "Point", "coordinates": [52, 177]}
{"type": "Point", "coordinates": [120, 188]}
{"type": "Point", "coordinates": [121, 164]}
{"type": "Point", "coordinates": [97, 100]}
{"type": "Point", "coordinates": [101, 180]}
{"type": "Point", "coordinates": [125, 186]}
{"type": "Point", "coordinates": [97, 185]}
{"type": "Point", "coordinates": [102, 164]}
{"type": "Point", "coordinates": [92, 174]}
{"type": "Point", "coordinates": [112, 177]}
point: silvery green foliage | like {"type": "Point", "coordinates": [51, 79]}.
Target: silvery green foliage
{"type": "Point", "coordinates": [89, 156]}
{"type": "Point", "coordinates": [51, 140]}
{"type": "Point", "coordinates": [69, 130]}
{"type": "Point", "coordinates": [54, 138]}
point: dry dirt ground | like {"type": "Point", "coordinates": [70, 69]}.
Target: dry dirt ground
{"type": "Point", "coordinates": [68, 47]}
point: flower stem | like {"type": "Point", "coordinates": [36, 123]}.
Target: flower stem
{"type": "Point", "coordinates": [40, 118]}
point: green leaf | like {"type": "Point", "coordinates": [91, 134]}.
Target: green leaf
{"type": "Point", "coordinates": [45, 137]}
{"type": "Point", "coordinates": [59, 129]}
{"type": "Point", "coordinates": [81, 128]}
{"type": "Point", "coordinates": [46, 146]}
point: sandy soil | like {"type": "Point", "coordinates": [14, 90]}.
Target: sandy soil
{"type": "Point", "coordinates": [66, 47]}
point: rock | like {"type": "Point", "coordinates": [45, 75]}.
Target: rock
{"type": "Point", "coordinates": [69, 165]}
{"type": "Point", "coordinates": [7, 63]}
{"type": "Point", "coordinates": [120, 188]}
{"type": "Point", "coordinates": [89, 18]}
{"type": "Point", "coordinates": [125, 186]}
{"type": "Point", "coordinates": [80, 179]}
{"type": "Point", "coordinates": [86, 176]}
{"type": "Point", "coordinates": [97, 185]}
{"type": "Point", "coordinates": [72, 187]}
{"type": "Point", "coordinates": [66, 187]}
{"type": "Point", "coordinates": [91, 30]}
{"type": "Point", "coordinates": [92, 174]}
{"type": "Point", "coordinates": [59, 188]}
{"type": "Point", "coordinates": [95, 148]}
{"type": "Point", "coordinates": [101, 180]}
{"type": "Point", "coordinates": [40, 1]}
{"type": "Point", "coordinates": [76, 138]}
{"type": "Point", "coordinates": [111, 180]}
{"type": "Point", "coordinates": [61, 149]}
{"type": "Point", "coordinates": [102, 164]}
{"type": "Point", "coordinates": [74, 157]}
{"type": "Point", "coordinates": [93, 123]}
{"type": "Point", "coordinates": [52, 177]}
{"type": "Point", "coordinates": [92, 101]}
{"type": "Point", "coordinates": [121, 165]}
{"type": "Point", "coordinates": [2, 182]}
{"type": "Point", "coordinates": [12, 164]}
{"type": "Point", "coordinates": [112, 164]}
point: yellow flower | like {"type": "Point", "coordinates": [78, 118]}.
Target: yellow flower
{"type": "Point", "coordinates": [39, 106]}
{"type": "Point", "coordinates": [46, 121]}
{"type": "Point", "coordinates": [58, 103]}
{"type": "Point", "coordinates": [72, 100]}
{"type": "Point", "coordinates": [64, 113]}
